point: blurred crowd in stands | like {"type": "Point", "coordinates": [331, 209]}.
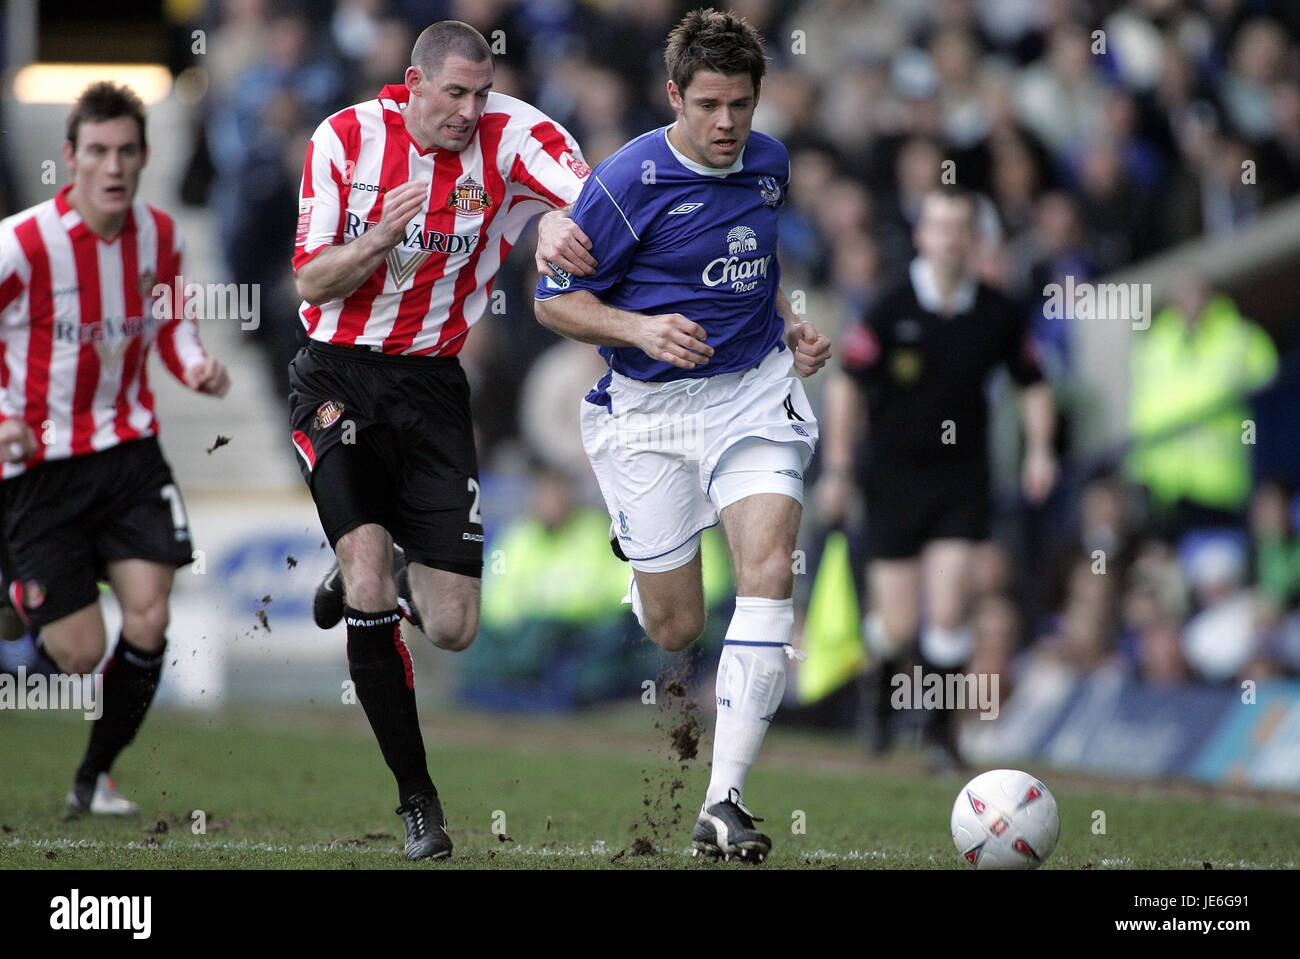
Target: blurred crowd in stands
{"type": "Point", "coordinates": [1099, 133]}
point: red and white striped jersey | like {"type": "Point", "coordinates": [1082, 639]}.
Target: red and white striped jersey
{"type": "Point", "coordinates": [435, 284]}
{"type": "Point", "coordinates": [77, 319]}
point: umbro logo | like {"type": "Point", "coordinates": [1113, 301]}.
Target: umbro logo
{"type": "Point", "coordinates": [685, 208]}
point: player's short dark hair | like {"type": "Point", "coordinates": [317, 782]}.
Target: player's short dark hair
{"type": "Point", "coordinates": [102, 101]}
{"type": "Point", "coordinates": [445, 38]}
{"type": "Point", "coordinates": [718, 42]}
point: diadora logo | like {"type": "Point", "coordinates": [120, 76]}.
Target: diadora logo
{"type": "Point", "coordinates": [684, 208]}
{"type": "Point", "coordinates": [742, 274]}
{"type": "Point", "coordinates": [365, 187]}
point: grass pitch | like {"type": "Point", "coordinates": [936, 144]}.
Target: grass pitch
{"type": "Point", "coordinates": [307, 789]}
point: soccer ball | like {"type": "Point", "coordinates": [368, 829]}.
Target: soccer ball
{"type": "Point", "coordinates": [1005, 819]}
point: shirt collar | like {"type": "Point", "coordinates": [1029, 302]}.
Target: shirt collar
{"type": "Point", "coordinates": [927, 291]}
{"type": "Point", "coordinates": [700, 168]}
{"type": "Point", "coordinates": [76, 226]}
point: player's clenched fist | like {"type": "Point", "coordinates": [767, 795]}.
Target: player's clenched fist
{"type": "Point", "coordinates": [811, 349]}
{"type": "Point", "coordinates": [208, 377]}
{"type": "Point", "coordinates": [674, 339]}
{"type": "Point", "coordinates": [401, 204]}
{"type": "Point", "coordinates": [17, 441]}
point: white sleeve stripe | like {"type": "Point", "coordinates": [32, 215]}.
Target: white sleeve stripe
{"type": "Point", "coordinates": [616, 207]}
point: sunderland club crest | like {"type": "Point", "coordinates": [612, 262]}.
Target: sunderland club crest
{"type": "Point", "coordinates": [470, 198]}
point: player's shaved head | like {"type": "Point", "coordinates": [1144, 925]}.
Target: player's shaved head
{"type": "Point", "coordinates": [717, 42]}
{"type": "Point", "coordinates": [446, 38]}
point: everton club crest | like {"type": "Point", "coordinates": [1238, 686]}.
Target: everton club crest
{"type": "Point", "coordinates": [769, 190]}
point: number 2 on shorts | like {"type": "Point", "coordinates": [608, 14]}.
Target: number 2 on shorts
{"type": "Point", "coordinates": [474, 515]}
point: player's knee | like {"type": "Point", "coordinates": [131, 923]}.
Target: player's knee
{"type": "Point", "coordinates": [771, 577]}
{"type": "Point", "coordinates": [369, 591]}
{"type": "Point", "coordinates": [146, 625]}
{"type": "Point", "coordinates": [455, 635]}
{"type": "Point", "coordinates": [79, 657]}
{"type": "Point", "coordinates": [676, 629]}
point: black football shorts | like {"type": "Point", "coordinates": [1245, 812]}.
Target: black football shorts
{"type": "Point", "coordinates": [388, 440]}
{"type": "Point", "coordinates": [910, 502]}
{"type": "Point", "coordinates": [64, 520]}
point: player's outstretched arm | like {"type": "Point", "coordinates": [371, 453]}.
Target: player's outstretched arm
{"type": "Point", "coordinates": [669, 337]}
{"type": "Point", "coordinates": [338, 270]}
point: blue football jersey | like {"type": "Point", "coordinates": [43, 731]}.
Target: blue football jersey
{"type": "Point", "coordinates": [673, 236]}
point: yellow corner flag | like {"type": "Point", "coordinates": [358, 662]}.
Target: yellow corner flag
{"type": "Point", "coordinates": [832, 632]}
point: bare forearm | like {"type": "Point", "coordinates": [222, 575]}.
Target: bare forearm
{"type": "Point", "coordinates": [337, 271]}
{"type": "Point", "coordinates": [580, 316]}
{"type": "Point", "coordinates": [1038, 408]}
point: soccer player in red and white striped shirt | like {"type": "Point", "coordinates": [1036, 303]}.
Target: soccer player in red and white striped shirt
{"type": "Point", "coordinates": [409, 204]}
{"type": "Point", "coordinates": [86, 491]}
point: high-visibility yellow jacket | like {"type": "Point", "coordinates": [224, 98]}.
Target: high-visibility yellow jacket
{"type": "Point", "coordinates": [1197, 375]}
{"type": "Point", "coordinates": [570, 574]}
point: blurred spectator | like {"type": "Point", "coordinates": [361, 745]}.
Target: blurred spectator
{"type": "Point", "coordinates": [1220, 639]}
{"type": "Point", "coordinates": [1053, 252]}
{"type": "Point", "coordinates": [1258, 59]}
{"type": "Point", "coordinates": [1192, 372]}
{"type": "Point", "coordinates": [1155, 606]}
{"type": "Point", "coordinates": [1277, 549]}
{"type": "Point", "coordinates": [996, 623]}
{"type": "Point", "coordinates": [1104, 538]}
{"type": "Point", "coordinates": [1084, 636]}
{"type": "Point", "coordinates": [1061, 98]}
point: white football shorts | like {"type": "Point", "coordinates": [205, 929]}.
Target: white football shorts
{"type": "Point", "coordinates": [669, 457]}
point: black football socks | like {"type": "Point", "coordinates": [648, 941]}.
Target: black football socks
{"type": "Point", "coordinates": [127, 688]}
{"type": "Point", "coordinates": [380, 666]}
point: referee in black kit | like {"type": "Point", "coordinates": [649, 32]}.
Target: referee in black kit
{"type": "Point", "coordinates": [907, 420]}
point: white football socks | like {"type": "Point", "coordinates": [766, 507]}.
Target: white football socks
{"type": "Point", "coordinates": [751, 682]}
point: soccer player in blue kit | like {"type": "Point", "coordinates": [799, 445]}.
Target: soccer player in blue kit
{"type": "Point", "coordinates": [698, 416]}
